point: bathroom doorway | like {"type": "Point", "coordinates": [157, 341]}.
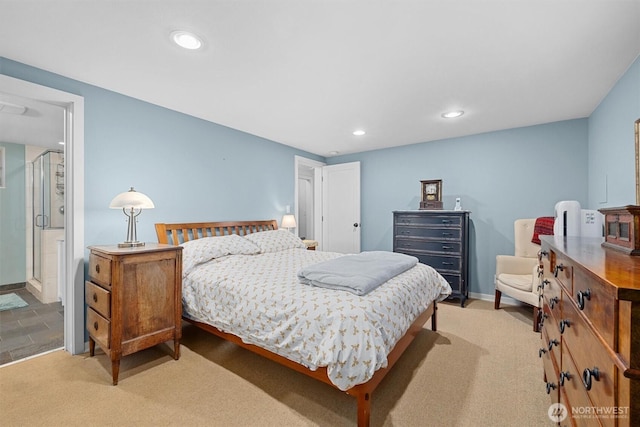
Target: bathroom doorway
{"type": "Point", "coordinates": [72, 107]}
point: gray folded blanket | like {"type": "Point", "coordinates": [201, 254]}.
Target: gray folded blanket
{"type": "Point", "coordinates": [358, 274]}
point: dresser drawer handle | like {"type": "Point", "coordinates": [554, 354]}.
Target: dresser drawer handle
{"type": "Point", "coordinates": [447, 263]}
{"type": "Point", "coordinates": [553, 301]}
{"type": "Point", "coordinates": [542, 254]}
{"type": "Point", "coordinates": [550, 386]}
{"type": "Point", "coordinates": [95, 325]}
{"type": "Point", "coordinates": [544, 283]}
{"type": "Point", "coordinates": [446, 247]}
{"type": "Point", "coordinates": [447, 234]}
{"type": "Point", "coordinates": [541, 352]}
{"type": "Point", "coordinates": [589, 374]}
{"type": "Point", "coordinates": [564, 323]}
{"type": "Point", "coordinates": [564, 376]}
{"type": "Point", "coordinates": [97, 268]}
{"type": "Point", "coordinates": [558, 269]}
{"type": "Point", "coordinates": [552, 343]}
{"type": "Point", "coordinates": [95, 297]}
{"type": "Point", "coordinates": [581, 296]}
{"type": "Point", "coordinates": [446, 221]}
{"type": "Point", "coordinates": [542, 319]}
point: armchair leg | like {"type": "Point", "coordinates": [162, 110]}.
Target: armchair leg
{"type": "Point", "coordinates": [496, 302]}
{"type": "Point", "coordinates": [536, 319]}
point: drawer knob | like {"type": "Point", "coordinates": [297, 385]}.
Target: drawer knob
{"type": "Point", "coordinates": [545, 282]}
{"type": "Point", "coordinates": [95, 297]}
{"type": "Point", "coordinates": [97, 268]}
{"type": "Point", "coordinates": [564, 323]}
{"type": "Point", "coordinates": [552, 343]}
{"type": "Point", "coordinates": [542, 319]}
{"type": "Point", "coordinates": [95, 325]}
{"type": "Point", "coordinates": [581, 296]}
{"type": "Point", "coordinates": [541, 352]}
{"type": "Point", "coordinates": [564, 376]}
{"type": "Point", "coordinates": [558, 268]}
{"type": "Point", "coordinates": [588, 375]}
{"type": "Point", "coordinates": [542, 254]}
{"type": "Point", "coordinates": [550, 386]}
{"type": "Point", "coordinates": [553, 301]}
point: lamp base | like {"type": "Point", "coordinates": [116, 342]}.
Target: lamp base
{"type": "Point", "coordinates": [130, 244]}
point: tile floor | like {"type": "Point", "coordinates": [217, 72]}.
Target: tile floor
{"type": "Point", "coordinates": [29, 330]}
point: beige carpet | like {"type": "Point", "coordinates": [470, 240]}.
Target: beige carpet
{"type": "Point", "coordinates": [480, 369]}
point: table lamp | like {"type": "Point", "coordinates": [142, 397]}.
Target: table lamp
{"type": "Point", "coordinates": [288, 222]}
{"type": "Point", "coordinates": [131, 202]}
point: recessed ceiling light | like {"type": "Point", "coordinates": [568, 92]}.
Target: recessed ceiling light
{"type": "Point", "coordinates": [186, 40]}
{"type": "Point", "coordinates": [452, 114]}
{"type": "Point", "coordinates": [359, 132]}
{"type": "Point", "coordinates": [61, 142]}
{"type": "Point", "coordinates": [333, 153]}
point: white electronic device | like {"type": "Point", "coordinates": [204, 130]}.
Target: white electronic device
{"type": "Point", "coordinates": [458, 206]}
{"type": "Point", "coordinates": [571, 220]}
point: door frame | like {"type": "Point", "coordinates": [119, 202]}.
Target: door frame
{"type": "Point", "coordinates": [74, 200]}
{"type": "Point", "coordinates": [317, 193]}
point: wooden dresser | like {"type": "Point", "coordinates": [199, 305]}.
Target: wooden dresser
{"type": "Point", "coordinates": [591, 332]}
{"type": "Point", "coordinates": [134, 299]}
{"type": "Point", "coordinates": [439, 238]}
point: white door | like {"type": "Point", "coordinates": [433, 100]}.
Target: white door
{"type": "Point", "coordinates": [341, 208]}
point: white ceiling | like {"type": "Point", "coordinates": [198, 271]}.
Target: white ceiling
{"type": "Point", "coordinates": [307, 73]}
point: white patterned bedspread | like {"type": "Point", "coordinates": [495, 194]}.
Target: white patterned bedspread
{"type": "Point", "coordinates": [258, 298]}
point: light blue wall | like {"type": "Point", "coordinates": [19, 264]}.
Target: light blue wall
{"type": "Point", "coordinates": [611, 143]}
{"type": "Point", "coordinates": [13, 240]}
{"type": "Point", "coordinates": [500, 177]}
{"type": "Point", "coordinates": [197, 170]}
{"type": "Point", "coordinates": [192, 169]}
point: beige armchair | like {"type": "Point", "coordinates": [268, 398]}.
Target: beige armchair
{"type": "Point", "coordinates": [518, 275]}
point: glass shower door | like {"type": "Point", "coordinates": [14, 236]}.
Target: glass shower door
{"type": "Point", "coordinates": [48, 202]}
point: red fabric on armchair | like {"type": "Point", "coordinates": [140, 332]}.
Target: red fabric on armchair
{"type": "Point", "coordinates": [543, 226]}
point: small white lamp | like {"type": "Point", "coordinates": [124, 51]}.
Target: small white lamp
{"type": "Point", "coordinates": [131, 202]}
{"type": "Point", "coordinates": [288, 222]}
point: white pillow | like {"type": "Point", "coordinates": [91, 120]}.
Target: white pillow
{"type": "Point", "coordinates": [197, 251]}
{"type": "Point", "coordinates": [275, 240]}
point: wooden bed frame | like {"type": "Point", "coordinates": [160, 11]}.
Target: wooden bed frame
{"type": "Point", "coordinates": [178, 233]}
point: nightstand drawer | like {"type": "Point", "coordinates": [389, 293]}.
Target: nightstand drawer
{"type": "Point", "coordinates": [98, 298]}
{"type": "Point", "coordinates": [100, 270]}
{"type": "Point", "coordinates": [99, 328]}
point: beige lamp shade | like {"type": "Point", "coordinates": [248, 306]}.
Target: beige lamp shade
{"type": "Point", "coordinates": [288, 221]}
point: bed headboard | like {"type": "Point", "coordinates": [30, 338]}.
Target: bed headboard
{"type": "Point", "coordinates": [178, 233]}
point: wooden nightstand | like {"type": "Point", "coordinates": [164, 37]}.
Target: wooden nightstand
{"type": "Point", "coordinates": [311, 244]}
{"type": "Point", "coordinates": [134, 299]}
